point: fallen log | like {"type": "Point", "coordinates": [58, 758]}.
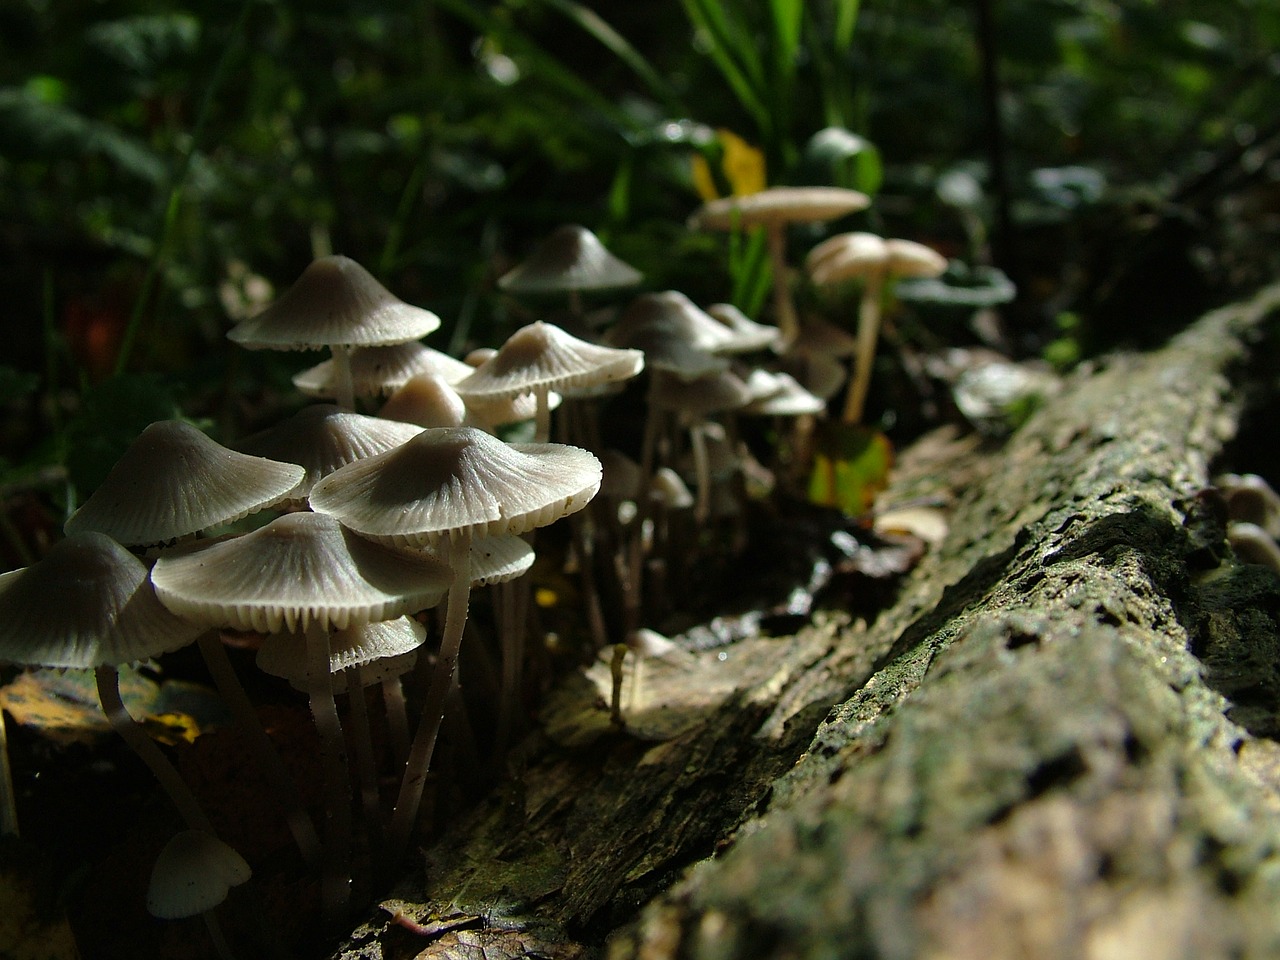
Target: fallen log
{"type": "Point", "coordinates": [1055, 743]}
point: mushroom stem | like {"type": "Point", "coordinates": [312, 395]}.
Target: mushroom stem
{"type": "Point", "coordinates": [542, 422]}
{"type": "Point", "coordinates": [8, 800]}
{"type": "Point", "coordinates": [335, 882]}
{"type": "Point", "coordinates": [784, 308]}
{"type": "Point", "coordinates": [272, 767]}
{"type": "Point", "coordinates": [397, 719]}
{"type": "Point", "coordinates": [405, 815]}
{"type": "Point", "coordinates": [344, 386]}
{"type": "Point", "coordinates": [868, 330]}
{"type": "Point", "coordinates": [136, 737]}
{"type": "Point", "coordinates": [365, 766]}
{"type": "Point", "coordinates": [615, 694]}
{"type": "Point", "coordinates": [702, 468]}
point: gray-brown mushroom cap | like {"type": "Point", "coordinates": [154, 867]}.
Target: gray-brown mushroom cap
{"type": "Point", "coordinates": [174, 481]}
{"type": "Point", "coordinates": [572, 258]}
{"type": "Point", "coordinates": [335, 302]}
{"type": "Point", "coordinates": [87, 603]}
{"type": "Point", "coordinates": [193, 873]}
{"type": "Point", "coordinates": [377, 646]}
{"type": "Point", "coordinates": [542, 356]}
{"type": "Point", "coordinates": [299, 569]}
{"type": "Point", "coordinates": [458, 479]}
{"type": "Point", "coordinates": [323, 437]}
{"type": "Point", "coordinates": [380, 371]}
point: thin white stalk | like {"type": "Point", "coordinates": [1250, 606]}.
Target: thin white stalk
{"type": "Point", "coordinates": [542, 421]}
{"type": "Point", "coordinates": [344, 387]}
{"type": "Point", "coordinates": [868, 331]}
{"type": "Point", "coordinates": [137, 738]}
{"type": "Point", "coordinates": [335, 880]}
{"type": "Point", "coordinates": [397, 719]}
{"type": "Point", "coordinates": [405, 816]}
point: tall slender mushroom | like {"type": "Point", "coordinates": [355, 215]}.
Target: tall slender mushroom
{"type": "Point", "coordinates": [443, 488]}
{"type": "Point", "coordinates": [572, 261]}
{"type": "Point", "coordinates": [773, 209]}
{"type": "Point", "coordinates": [541, 357]}
{"type": "Point", "coordinates": [867, 257]}
{"type": "Point", "coordinates": [335, 304]}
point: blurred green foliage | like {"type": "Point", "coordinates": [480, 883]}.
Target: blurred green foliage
{"type": "Point", "coordinates": [155, 153]}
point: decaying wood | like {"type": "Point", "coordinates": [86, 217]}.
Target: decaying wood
{"type": "Point", "coordinates": [1031, 753]}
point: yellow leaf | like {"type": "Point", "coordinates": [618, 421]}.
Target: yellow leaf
{"type": "Point", "coordinates": [743, 164]}
{"type": "Point", "coordinates": [703, 182]}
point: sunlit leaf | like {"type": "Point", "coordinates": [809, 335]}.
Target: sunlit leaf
{"type": "Point", "coordinates": [851, 466]}
{"type": "Point", "coordinates": [744, 165]}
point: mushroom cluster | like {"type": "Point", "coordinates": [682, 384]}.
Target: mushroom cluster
{"type": "Point", "coordinates": [330, 535]}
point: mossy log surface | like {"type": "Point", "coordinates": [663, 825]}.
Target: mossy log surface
{"type": "Point", "coordinates": [1031, 753]}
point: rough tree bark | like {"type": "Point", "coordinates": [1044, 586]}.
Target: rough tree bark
{"type": "Point", "coordinates": [1031, 753]}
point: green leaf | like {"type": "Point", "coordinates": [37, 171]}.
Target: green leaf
{"type": "Point", "coordinates": [850, 467]}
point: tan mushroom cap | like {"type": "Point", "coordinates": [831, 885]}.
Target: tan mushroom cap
{"type": "Point", "coordinates": [570, 258]}
{"type": "Point", "coordinates": [746, 334]}
{"type": "Point", "coordinates": [174, 481]}
{"type": "Point", "coordinates": [380, 646]}
{"type": "Point", "coordinates": [542, 356]}
{"type": "Point", "coordinates": [458, 479]}
{"type": "Point", "coordinates": [380, 371]}
{"type": "Point", "coordinates": [87, 603]}
{"type": "Point", "coordinates": [193, 873]}
{"type": "Point", "coordinates": [846, 256]}
{"type": "Point", "coordinates": [298, 570]}
{"type": "Point", "coordinates": [335, 302]}
{"type": "Point", "coordinates": [426, 400]}
{"type": "Point", "coordinates": [857, 255]}
{"type": "Point", "coordinates": [323, 437]}
{"type": "Point", "coordinates": [779, 205]}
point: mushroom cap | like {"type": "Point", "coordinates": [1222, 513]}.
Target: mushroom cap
{"type": "Point", "coordinates": [452, 479]}
{"type": "Point", "coordinates": [747, 335]}
{"type": "Point", "coordinates": [571, 258]}
{"type": "Point", "coordinates": [699, 398]}
{"type": "Point", "coordinates": [284, 655]}
{"type": "Point", "coordinates": [778, 205]}
{"type": "Point", "coordinates": [300, 569]}
{"type": "Point", "coordinates": [194, 873]}
{"type": "Point", "coordinates": [173, 481]}
{"type": "Point", "coordinates": [380, 371]}
{"type": "Point", "coordinates": [542, 356]}
{"type": "Point", "coordinates": [87, 603]}
{"type": "Point", "coordinates": [426, 400]}
{"type": "Point", "coordinates": [910, 259]}
{"type": "Point", "coordinates": [675, 315]}
{"type": "Point", "coordinates": [323, 437]}
{"type": "Point", "coordinates": [847, 256]}
{"type": "Point", "coordinates": [780, 395]}
{"type": "Point", "coordinates": [335, 302]}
